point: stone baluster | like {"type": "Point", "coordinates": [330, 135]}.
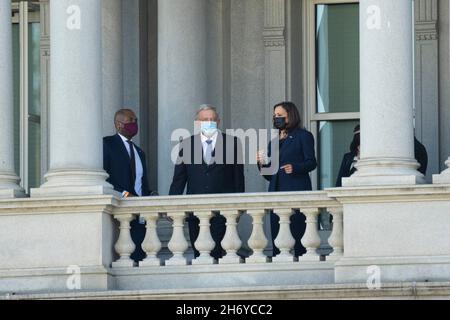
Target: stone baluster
{"type": "Point", "coordinates": [284, 241]}
{"type": "Point", "coordinates": [204, 243]}
{"type": "Point", "coordinates": [124, 245]}
{"type": "Point", "coordinates": [177, 244]}
{"type": "Point", "coordinates": [231, 241]}
{"type": "Point", "coordinates": [311, 238]}
{"type": "Point", "coordinates": [151, 244]}
{"type": "Point", "coordinates": [336, 239]}
{"type": "Point", "coordinates": [258, 240]}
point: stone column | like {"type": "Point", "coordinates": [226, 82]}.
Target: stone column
{"type": "Point", "coordinates": [181, 74]}
{"type": "Point", "coordinates": [386, 57]}
{"type": "Point", "coordinates": [76, 160]}
{"type": "Point", "coordinates": [9, 182]}
{"type": "Point", "coordinates": [112, 63]}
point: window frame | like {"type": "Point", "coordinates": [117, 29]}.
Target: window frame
{"type": "Point", "coordinates": [24, 13]}
{"type": "Point", "coordinates": [310, 79]}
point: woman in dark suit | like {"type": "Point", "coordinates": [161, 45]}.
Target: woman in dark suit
{"type": "Point", "coordinates": [350, 159]}
{"type": "Point", "coordinates": [296, 160]}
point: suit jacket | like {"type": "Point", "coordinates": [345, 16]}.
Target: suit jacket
{"type": "Point", "coordinates": [116, 162]}
{"type": "Point", "coordinates": [297, 150]}
{"type": "Point", "coordinates": [421, 155]}
{"type": "Point", "coordinates": [224, 176]}
{"type": "Point", "coordinates": [345, 171]}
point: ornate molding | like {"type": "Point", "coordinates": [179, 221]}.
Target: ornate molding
{"type": "Point", "coordinates": [274, 23]}
{"type": "Point", "coordinates": [274, 37]}
{"type": "Point", "coordinates": [426, 20]}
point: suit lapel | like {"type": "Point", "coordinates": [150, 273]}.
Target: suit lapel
{"type": "Point", "coordinates": [197, 151]}
{"type": "Point", "coordinates": [285, 145]}
{"type": "Point", "coordinates": [123, 150]}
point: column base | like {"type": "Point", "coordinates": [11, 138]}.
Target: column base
{"type": "Point", "coordinates": [12, 193]}
{"type": "Point", "coordinates": [203, 261]}
{"type": "Point", "coordinates": [150, 262]}
{"type": "Point", "coordinates": [283, 258]}
{"type": "Point", "coordinates": [9, 186]}
{"type": "Point", "coordinates": [385, 172]}
{"type": "Point", "coordinates": [257, 258]}
{"type": "Point", "coordinates": [123, 263]}
{"type": "Point", "coordinates": [176, 261]}
{"type": "Point", "coordinates": [232, 259]}
{"type": "Point", "coordinates": [64, 183]}
{"type": "Point", "coordinates": [312, 257]}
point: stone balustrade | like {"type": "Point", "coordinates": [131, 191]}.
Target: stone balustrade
{"type": "Point", "coordinates": [232, 208]}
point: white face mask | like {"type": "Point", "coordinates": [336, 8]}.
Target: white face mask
{"type": "Point", "coordinates": [209, 128]}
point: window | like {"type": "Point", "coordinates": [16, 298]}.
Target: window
{"type": "Point", "coordinates": [333, 82]}
{"type": "Point", "coordinates": [27, 92]}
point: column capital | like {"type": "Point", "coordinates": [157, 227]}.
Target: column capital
{"type": "Point", "coordinates": [274, 23]}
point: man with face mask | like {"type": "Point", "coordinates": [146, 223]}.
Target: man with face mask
{"type": "Point", "coordinates": [209, 162]}
{"type": "Point", "coordinates": [125, 163]}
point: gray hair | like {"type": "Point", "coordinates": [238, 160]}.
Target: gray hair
{"type": "Point", "coordinates": [206, 107]}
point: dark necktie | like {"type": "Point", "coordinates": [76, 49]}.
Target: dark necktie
{"type": "Point", "coordinates": [208, 153]}
{"type": "Point", "coordinates": [133, 166]}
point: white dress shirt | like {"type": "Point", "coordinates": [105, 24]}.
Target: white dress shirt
{"type": "Point", "coordinates": [139, 167]}
{"type": "Point", "coordinates": [205, 145]}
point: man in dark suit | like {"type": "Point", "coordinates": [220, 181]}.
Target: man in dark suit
{"type": "Point", "coordinates": [209, 163]}
{"type": "Point", "coordinates": [125, 163]}
{"type": "Point", "coordinates": [350, 159]}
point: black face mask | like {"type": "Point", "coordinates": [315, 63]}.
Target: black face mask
{"type": "Point", "coordinates": [279, 123]}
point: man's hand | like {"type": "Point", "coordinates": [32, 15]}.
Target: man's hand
{"type": "Point", "coordinates": [127, 194]}
{"type": "Point", "coordinates": [289, 169]}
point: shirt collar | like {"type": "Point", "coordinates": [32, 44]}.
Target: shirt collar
{"type": "Point", "coordinates": [213, 138]}
{"type": "Point", "coordinates": [124, 139]}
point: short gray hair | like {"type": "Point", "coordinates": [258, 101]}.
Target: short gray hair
{"type": "Point", "coordinates": [206, 107]}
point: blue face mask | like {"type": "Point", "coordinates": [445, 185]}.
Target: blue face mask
{"type": "Point", "coordinates": [209, 128]}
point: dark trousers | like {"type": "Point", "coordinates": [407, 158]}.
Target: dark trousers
{"type": "Point", "coordinates": [298, 227]}
{"type": "Point", "coordinates": [138, 234]}
{"type": "Point", "coordinates": [218, 229]}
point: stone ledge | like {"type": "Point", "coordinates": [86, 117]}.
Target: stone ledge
{"type": "Point", "coordinates": [386, 194]}
{"type": "Point", "coordinates": [403, 291]}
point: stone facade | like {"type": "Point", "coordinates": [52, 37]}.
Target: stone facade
{"type": "Point", "coordinates": [164, 58]}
